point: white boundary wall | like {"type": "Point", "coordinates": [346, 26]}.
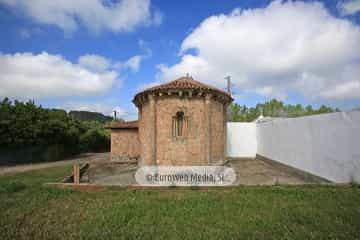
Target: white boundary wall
{"type": "Point", "coordinates": [241, 140]}
{"type": "Point", "coordinates": [326, 145]}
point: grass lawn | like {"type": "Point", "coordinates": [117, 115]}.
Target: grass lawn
{"type": "Point", "coordinates": [30, 210]}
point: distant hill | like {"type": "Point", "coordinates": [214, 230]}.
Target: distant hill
{"type": "Point", "coordinates": [90, 116]}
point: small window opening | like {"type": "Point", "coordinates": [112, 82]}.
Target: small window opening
{"type": "Point", "coordinates": [180, 125]}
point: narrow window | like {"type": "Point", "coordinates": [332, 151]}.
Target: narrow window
{"type": "Point", "coordinates": [179, 125]}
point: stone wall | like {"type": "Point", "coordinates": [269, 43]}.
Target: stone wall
{"type": "Point", "coordinates": [124, 144]}
{"type": "Point", "coordinates": [217, 132]}
{"type": "Point", "coordinates": [146, 133]}
{"type": "Point", "coordinates": [205, 140]}
{"type": "Point", "coordinates": [189, 150]}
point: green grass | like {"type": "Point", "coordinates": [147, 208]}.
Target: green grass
{"type": "Point", "coordinates": [30, 210]}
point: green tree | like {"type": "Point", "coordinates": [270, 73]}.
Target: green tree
{"type": "Point", "coordinates": [273, 108]}
{"type": "Point", "coordinates": [24, 126]}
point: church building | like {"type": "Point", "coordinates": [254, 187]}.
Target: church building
{"type": "Point", "coordinates": [180, 123]}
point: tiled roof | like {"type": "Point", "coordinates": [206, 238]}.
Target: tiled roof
{"type": "Point", "coordinates": [123, 125]}
{"type": "Point", "coordinates": [184, 83]}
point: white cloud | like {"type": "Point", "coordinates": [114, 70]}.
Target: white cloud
{"type": "Point", "coordinates": [96, 15]}
{"type": "Point", "coordinates": [349, 7]}
{"type": "Point", "coordinates": [104, 108]}
{"type": "Point", "coordinates": [144, 86]}
{"type": "Point", "coordinates": [134, 62]}
{"type": "Point", "coordinates": [95, 62]}
{"type": "Point", "coordinates": [286, 46]}
{"type": "Point", "coordinates": [27, 75]}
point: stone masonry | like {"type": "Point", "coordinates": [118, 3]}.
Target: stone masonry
{"type": "Point", "coordinates": [125, 144]}
{"type": "Point", "coordinates": [182, 122]}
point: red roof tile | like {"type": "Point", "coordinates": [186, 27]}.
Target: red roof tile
{"type": "Point", "coordinates": [184, 83]}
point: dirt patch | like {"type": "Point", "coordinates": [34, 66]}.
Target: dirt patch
{"type": "Point", "coordinates": [91, 157]}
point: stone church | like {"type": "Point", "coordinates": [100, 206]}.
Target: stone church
{"type": "Point", "coordinates": [182, 122]}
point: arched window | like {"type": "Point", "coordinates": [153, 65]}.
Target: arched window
{"type": "Point", "coordinates": [180, 125]}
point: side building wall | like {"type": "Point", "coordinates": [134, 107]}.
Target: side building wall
{"type": "Point", "coordinates": [241, 139]}
{"type": "Point", "coordinates": [124, 144]}
{"type": "Point", "coordinates": [326, 145]}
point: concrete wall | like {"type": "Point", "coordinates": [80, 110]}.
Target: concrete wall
{"type": "Point", "coordinates": [326, 145]}
{"type": "Point", "coordinates": [241, 139]}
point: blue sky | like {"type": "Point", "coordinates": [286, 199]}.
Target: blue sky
{"type": "Point", "coordinates": [95, 55]}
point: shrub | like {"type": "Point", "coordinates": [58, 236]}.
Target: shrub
{"type": "Point", "coordinates": [95, 140]}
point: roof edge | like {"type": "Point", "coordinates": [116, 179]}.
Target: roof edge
{"type": "Point", "coordinates": [183, 84]}
{"type": "Point", "coordinates": [123, 125]}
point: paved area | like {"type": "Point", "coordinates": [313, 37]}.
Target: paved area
{"type": "Point", "coordinates": [249, 172]}
{"type": "Point", "coordinates": [103, 172]}
{"type": "Point", "coordinates": [110, 173]}
{"type": "Point", "coordinates": [93, 157]}
{"type": "Point", "coordinates": [257, 172]}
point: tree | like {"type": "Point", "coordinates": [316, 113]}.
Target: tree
{"type": "Point", "coordinates": [24, 125]}
{"type": "Point", "coordinates": [273, 108]}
